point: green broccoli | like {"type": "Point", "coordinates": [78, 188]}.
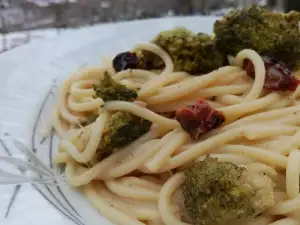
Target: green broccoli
{"type": "Point", "coordinates": [191, 52]}
{"type": "Point", "coordinates": [269, 33]}
{"type": "Point", "coordinates": [219, 193]}
{"type": "Point", "coordinates": [121, 129]}
{"type": "Point", "coordinates": [90, 119]}
{"type": "Point", "coordinates": [110, 90]}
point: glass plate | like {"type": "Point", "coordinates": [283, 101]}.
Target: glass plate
{"type": "Point", "coordinates": [26, 105]}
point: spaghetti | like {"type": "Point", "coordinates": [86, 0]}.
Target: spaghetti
{"type": "Point", "coordinates": [141, 183]}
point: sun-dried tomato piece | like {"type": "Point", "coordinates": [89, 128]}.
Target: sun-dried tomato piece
{"type": "Point", "coordinates": [199, 118]}
{"type": "Point", "coordinates": [278, 76]}
{"type": "Point", "coordinates": [168, 114]}
{"type": "Point", "coordinates": [125, 60]}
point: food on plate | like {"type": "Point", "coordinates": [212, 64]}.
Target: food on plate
{"type": "Point", "coordinates": [108, 89]}
{"type": "Point", "coordinates": [224, 193]}
{"type": "Point", "coordinates": [125, 60]}
{"type": "Point", "coordinates": [195, 53]}
{"type": "Point", "coordinates": [199, 118]}
{"type": "Point", "coordinates": [268, 33]}
{"type": "Point", "coordinates": [121, 129]}
{"type": "Point", "coordinates": [278, 76]}
{"type": "Point", "coordinates": [190, 128]}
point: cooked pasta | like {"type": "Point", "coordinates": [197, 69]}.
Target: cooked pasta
{"type": "Point", "coordinates": [142, 182]}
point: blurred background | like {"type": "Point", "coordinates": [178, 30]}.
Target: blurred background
{"type": "Point", "coordinates": [24, 20]}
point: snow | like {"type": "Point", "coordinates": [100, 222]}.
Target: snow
{"type": "Point", "coordinates": [43, 3]}
{"type": "Point", "coordinates": [15, 39]}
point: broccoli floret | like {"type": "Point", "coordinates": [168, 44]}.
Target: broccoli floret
{"type": "Point", "coordinates": [191, 52]}
{"type": "Point", "coordinates": [269, 33]}
{"type": "Point", "coordinates": [110, 90]}
{"type": "Point", "coordinates": [121, 129]}
{"type": "Point", "coordinates": [219, 193]}
{"type": "Point", "coordinates": [90, 119]}
{"type": "Point", "coordinates": [149, 61]}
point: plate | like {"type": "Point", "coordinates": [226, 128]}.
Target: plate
{"type": "Point", "coordinates": [27, 102]}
